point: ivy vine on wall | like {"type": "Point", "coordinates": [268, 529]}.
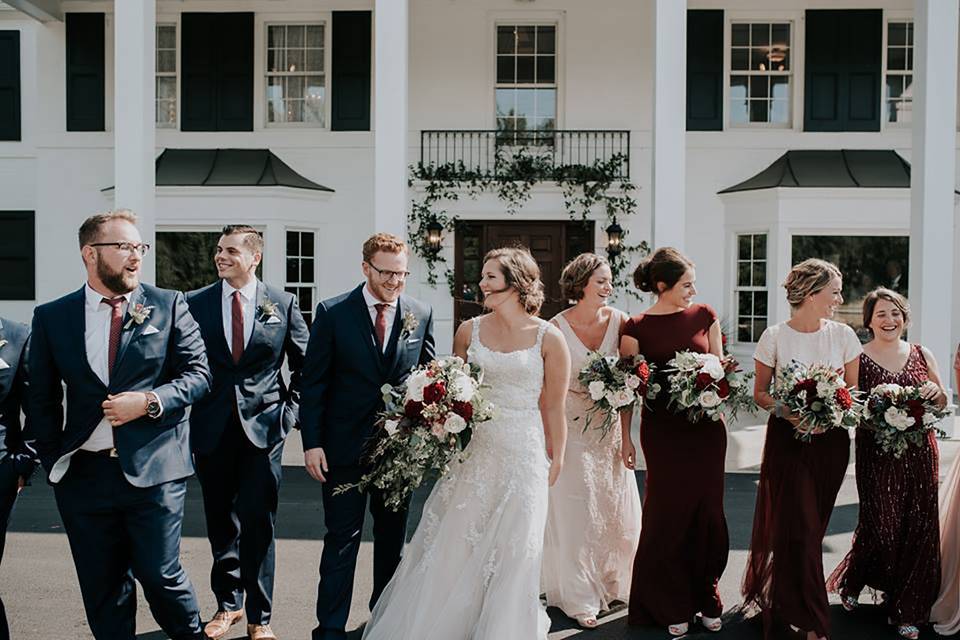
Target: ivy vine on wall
{"type": "Point", "coordinates": [584, 187]}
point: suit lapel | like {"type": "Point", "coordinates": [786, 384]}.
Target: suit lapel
{"type": "Point", "coordinates": [366, 326]}
{"type": "Point", "coordinates": [257, 331]}
{"type": "Point", "coordinates": [78, 326]}
{"type": "Point", "coordinates": [130, 329]}
{"type": "Point", "coordinates": [396, 340]}
{"type": "Point", "coordinates": [215, 318]}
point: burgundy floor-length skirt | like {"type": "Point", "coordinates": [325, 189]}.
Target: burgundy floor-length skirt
{"type": "Point", "coordinates": [799, 482]}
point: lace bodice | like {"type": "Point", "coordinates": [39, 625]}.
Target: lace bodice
{"type": "Point", "coordinates": [513, 379]}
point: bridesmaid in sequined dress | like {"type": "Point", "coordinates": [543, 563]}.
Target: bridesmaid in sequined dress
{"type": "Point", "coordinates": [896, 547]}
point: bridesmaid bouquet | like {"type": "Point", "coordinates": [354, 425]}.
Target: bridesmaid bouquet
{"type": "Point", "coordinates": [426, 423]}
{"type": "Point", "coordinates": [899, 417]}
{"type": "Point", "coordinates": [614, 384]}
{"type": "Point", "coordinates": [818, 395]}
{"type": "Point", "coordinates": [703, 385]}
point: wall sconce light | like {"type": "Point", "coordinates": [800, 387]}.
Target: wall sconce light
{"type": "Point", "coordinates": [434, 236]}
{"type": "Point", "coordinates": [614, 239]}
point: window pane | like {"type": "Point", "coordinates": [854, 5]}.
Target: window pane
{"type": "Point", "coordinates": [546, 40]}
{"type": "Point", "coordinates": [740, 59]}
{"type": "Point", "coordinates": [759, 35]}
{"type": "Point", "coordinates": [293, 270]}
{"type": "Point", "coordinates": [896, 58]}
{"type": "Point", "coordinates": [743, 332]}
{"type": "Point", "coordinates": [897, 33]}
{"type": "Point", "coordinates": [760, 303]}
{"type": "Point", "coordinates": [295, 36]}
{"type": "Point", "coordinates": [167, 88]}
{"type": "Point", "coordinates": [743, 247]}
{"type": "Point", "coordinates": [910, 59]}
{"type": "Point", "coordinates": [743, 274]}
{"type": "Point", "coordinates": [525, 39]}
{"type": "Point", "coordinates": [759, 87]}
{"type": "Point", "coordinates": [314, 60]}
{"type": "Point", "coordinates": [294, 60]}
{"type": "Point", "coordinates": [315, 35]}
{"type": "Point", "coordinates": [894, 86]}
{"type": "Point", "coordinates": [546, 103]}
{"type": "Point", "coordinates": [313, 103]}
{"type": "Point", "coordinates": [506, 105]}
{"type": "Point", "coordinates": [306, 270]}
{"type": "Point", "coordinates": [740, 35]}
{"type": "Point", "coordinates": [293, 244]}
{"type": "Point", "coordinates": [306, 244]}
{"type": "Point", "coordinates": [744, 306]}
{"type": "Point", "coordinates": [759, 111]}
{"type": "Point", "coordinates": [294, 88]}
{"type": "Point", "coordinates": [526, 102]}
{"type": "Point", "coordinates": [760, 246]}
{"type": "Point", "coordinates": [166, 37]}
{"type": "Point", "coordinates": [779, 112]}
{"type": "Point", "coordinates": [781, 36]}
{"type": "Point", "coordinates": [545, 69]}
{"type": "Point", "coordinates": [166, 61]}
{"type": "Point", "coordinates": [505, 40]}
{"type": "Point", "coordinates": [739, 113]}
{"type": "Point", "coordinates": [276, 36]}
{"type": "Point", "coordinates": [185, 259]}
{"type": "Point", "coordinates": [525, 69]}
{"type": "Point", "coordinates": [505, 69]}
{"type": "Point", "coordinates": [758, 59]}
{"type": "Point", "coordinates": [758, 326]}
{"type": "Point", "coordinates": [738, 87]}
{"type": "Point", "coordinates": [780, 88]}
{"type": "Point", "coordinates": [275, 60]}
{"type": "Point", "coordinates": [759, 273]}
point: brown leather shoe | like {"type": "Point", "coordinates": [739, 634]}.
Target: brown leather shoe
{"type": "Point", "coordinates": [260, 632]}
{"type": "Point", "coordinates": [221, 623]}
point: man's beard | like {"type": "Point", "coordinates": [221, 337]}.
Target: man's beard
{"type": "Point", "coordinates": [119, 282]}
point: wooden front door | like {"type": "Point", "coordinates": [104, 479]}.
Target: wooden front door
{"type": "Point", "coordinates": [552, 244]}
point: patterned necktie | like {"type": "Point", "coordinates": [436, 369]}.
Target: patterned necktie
{"type": "Point", "coordinates": [236, 328]}
{"type": "Point", "coordinates": [116, 326]}
{"type": "Point", "coordinates": [380, 327]}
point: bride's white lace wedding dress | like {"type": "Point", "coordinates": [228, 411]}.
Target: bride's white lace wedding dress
{"type": "Point", "coordinates": [472, 569]}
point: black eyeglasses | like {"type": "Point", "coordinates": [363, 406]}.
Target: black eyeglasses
{"type": "Point", "coordinates": [127, 247]}
{"type": "Point", "coordinates": [388, 275]}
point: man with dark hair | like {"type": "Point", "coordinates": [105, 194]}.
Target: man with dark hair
{"type": "Point", "coordinates": [17, 457]}
{"type": "Point", "coordinates": [237, 432]}
{"type": "Point", "coordinates": [132, 360]}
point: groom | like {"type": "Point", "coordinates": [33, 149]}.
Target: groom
{"type": "Point", "coordinates": [360, 341]}
{"type": "Point", "coordinates": [132, 360]}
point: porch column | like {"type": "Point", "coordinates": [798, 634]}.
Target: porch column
{"type": "Point", "coordinates": [933, 178]}
{"type": "Point", "coordinates": [135, 26]}
{"type": "Point", "coordinates": [669, 123]}
{"type": "Point", "coordinates": [390, 116]}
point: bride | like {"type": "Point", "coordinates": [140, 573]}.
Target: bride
{"type": "Point", "coordinates": [472, 569]}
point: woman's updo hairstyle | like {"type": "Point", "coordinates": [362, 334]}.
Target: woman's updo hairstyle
{"type": "Point", "coordinates": [666, 265]}
{"type": "Point", "coordinates": [521, 273]}
{"type": "Point", "coordinates": [808, 278]}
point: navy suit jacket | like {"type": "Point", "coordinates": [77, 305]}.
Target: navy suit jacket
{"type": "Point", "coordinates": [13, 388]}
{"type": "Point", "coordinates": [268, 409]}
{"type": "Point", "coordinates": [168, 359]}
{"type": "Point", "coordinates": [344, 371]}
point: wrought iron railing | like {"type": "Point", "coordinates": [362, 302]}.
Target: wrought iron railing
{"type": "Point", "coordinates": [492, 152]}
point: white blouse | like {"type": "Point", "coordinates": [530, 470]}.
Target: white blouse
{"type": "Point", "coordinates": [834, 343]}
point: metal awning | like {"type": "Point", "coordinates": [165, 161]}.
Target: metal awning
{"type": "Point", "coordinates": [228, 168]}
{"type": "Point", "coordinates": [830, 169]}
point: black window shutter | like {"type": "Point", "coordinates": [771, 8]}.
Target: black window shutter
{"type": "Point", "coordinates": [86, 95]}
{"type": "Point", "coordinates": [17, 256]}
{"type": "Point", "coordinates": [843, 70]}
{"type": "Point", "coordinates": [10, 85]}
{"type": "Point", "coordinates": [705, 70]}
{"type": "Point", "coordinates": [350, 91]}
{"type": "Point", "coordinates": [217, 72]}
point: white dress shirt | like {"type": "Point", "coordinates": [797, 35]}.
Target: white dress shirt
{"type": "Point", "coordinates": [248, 300]}
{"type": "Point", "coordinates": [389, 314]}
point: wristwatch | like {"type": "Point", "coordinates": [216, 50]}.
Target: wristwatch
{"type": "Point", "coordinates": [153, 405]}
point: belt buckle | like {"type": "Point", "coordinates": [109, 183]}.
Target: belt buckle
{"type": "Point", "coordinates": [113, 452]}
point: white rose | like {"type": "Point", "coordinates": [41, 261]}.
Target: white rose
{"type": "Point", "coordinates": [709, 399]}
{"type": "Point", "coordinates": [622, 398]}
{"type": "Point", "coordinates": [415, 386]}
{"type": "Point", "coordinates": [711, 364]}
{"type": "Point", "coordinates": [887, 389]}
{"type": "Point", "coordinates": [391, 426]}
{"type": "Point", "coordinates": [825, 390]}
{"type": "Point", "coordinates": [454, 423]}
{"type": "Point", "coordinates": [631, 381]}
{"type": "Point", "coordinates": [898, 419]}
{"type": "Point", "coordinates": [929, 418]}
{"type": "Point", "coordinates": [596, 389]}
{"type": "Point", "coordinates": [611, 398]}
{"type": "Point", "coordinates": [463, 388]}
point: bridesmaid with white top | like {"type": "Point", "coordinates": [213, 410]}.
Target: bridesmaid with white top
{"type": "Point", "coordinates": [594, 518]}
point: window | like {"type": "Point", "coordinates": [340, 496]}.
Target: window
{"type": "Point", "coordinates": [185, 259]}
{"type": "Point", "coordinates": [10, 85]}
{"type": "Point", "coordinates": [166, 112]}
{"type": "Point", "coordinates": [898, 98]}
{"type": "Point", "coordinates": [526, 88]}
{"type": "Point", "coordinates": [760, 74]}
{"type": "Point", "coordinates": [296, 77]}
{"type": "Point", "coordinates": [17, 255]}
{"type": "Point", "coordinates": [866, 262]}
{"type": "Point", "coordinates": [301, 281]}
{"type": "Point", "coordinates": [86, 76]}
{"type": "Point", "coordinates": [751, 288]}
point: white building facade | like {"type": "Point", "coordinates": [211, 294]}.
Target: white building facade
{"type": "Point", "coordinates": [340, 96]}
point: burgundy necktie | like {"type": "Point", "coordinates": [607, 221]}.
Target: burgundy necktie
{"type": "Point", "coordinates": [380, 327]}
{"type": "Point", "coordinates": [116, 326]}
{"type": "Point", "coordinates": [236, 328]}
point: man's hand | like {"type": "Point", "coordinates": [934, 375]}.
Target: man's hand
{"type": "Point", "coordinates": [316, 462]}
{"type": "Point", "coordinates": [122, 408]}
{"type": "Point", "coordinates": [21, 483]}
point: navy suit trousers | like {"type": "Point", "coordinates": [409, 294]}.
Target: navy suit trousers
{"type": "Point", "coordinates": [241, 485]}
{"type": "Point", "coordinates": [119, 532]}
{"type": "Point", "coordinates": [343, 516]}
{"type": "Point", "coordinates": [8, 495]}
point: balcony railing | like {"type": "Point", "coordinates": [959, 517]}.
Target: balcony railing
{"type": "Point", "coordinates": [493, 153]}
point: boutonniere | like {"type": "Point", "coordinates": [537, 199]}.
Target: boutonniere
{"type": "Point", "coordinates": [2, 343]}
{"type": "Point", "coordinates": [410, 324]}
{"type": "Point", "coordinates": [138, 314]}
{"type": "Point", "coordinates": [268, 312]}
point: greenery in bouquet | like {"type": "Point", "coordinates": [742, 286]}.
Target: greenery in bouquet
{"type": "Point", "coordinates": [614, 384]}
{"type": "Point", "coordinates": [899, 416]}
{"type": "Point", "coordinates": [818, 396]}
{"type": "Point", "coordinates": [425, 425]}
{"type": "Point", "coordinates": [705, 386]}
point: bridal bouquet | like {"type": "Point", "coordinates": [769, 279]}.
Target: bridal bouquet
{"type": "Point", "coordinates": [899, 417]}
{"type": "Point", "coordinates": [703, 385]}
{"type": "Point", "coordinates": [818, 395]}
{"type": "Point", "coordinates": [425, 425]}
{"type": "Point", "coordinates": [614, 384]}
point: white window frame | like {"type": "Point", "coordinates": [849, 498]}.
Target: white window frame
{"type": "Point", "coordinates": [265, 21]}
{"type": "Point", "coordinates": [175, 23]}
{"type": "Point", "coordinates": [313, 286]}
{"type": "Point", "coordinates": [888, 18]}
{"type": "Point", "coordinates": [737, 288]}
{"type": "Point", "coordinates": [528, 19]}
{"type": "Point", "coordinates": [793, 74]}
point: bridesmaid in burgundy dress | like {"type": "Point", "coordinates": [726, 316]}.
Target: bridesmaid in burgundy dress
{"type": "Point", "coordinates": [896, 548]}
{"type": "Point", "coordinates": [799, 481]}
{"type": "Point", "coordinates": [683, 538]}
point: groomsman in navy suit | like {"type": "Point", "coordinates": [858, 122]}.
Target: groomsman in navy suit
{"type": "Point", "coordinates": [17, 457]}
{"type": "Point", "coordinates": [132, 360]}
{"type": "Point", "coordinates": [237, 432]}
{"type": "Point", "coordinates": [360, 341]}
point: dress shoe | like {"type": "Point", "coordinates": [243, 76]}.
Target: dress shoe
{"type": "Point", "coordinates": [260, 632]}
{"type": "Point", "coordinates": [221, 623]}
